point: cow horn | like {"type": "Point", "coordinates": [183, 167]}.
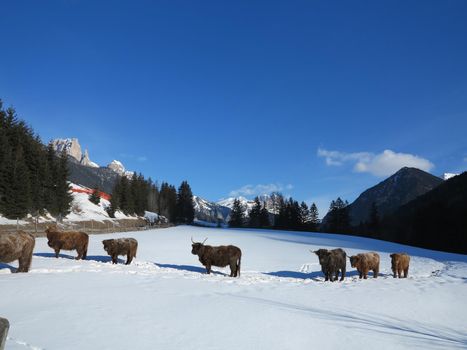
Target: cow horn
{"type": "Point", "coordinates": [205, 240]}
{"type": "Point", "coordinates": [192, 239]}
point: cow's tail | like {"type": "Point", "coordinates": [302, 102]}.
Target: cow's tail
{"type": "Point", "coordinates": [238, 265]}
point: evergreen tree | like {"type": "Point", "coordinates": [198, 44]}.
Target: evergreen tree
{"type": "Point", "coordinates": [63, 196]}
{"type": "Point", "coordinates": [153, 197]}
{"type": "Point", "coordinates": [237, 214]}
{"type": "Point", "coordinates": [185, 205]}
{"type": "Point", "coordinates": [95, 197]}
{"type": "Point", "coordinates": [168, 202]}
{"type": "Point", "coordinates": [314, 218]}
{"type": "Point", "coordinates": [304, 215]}
{"type": "Point", "coordinates": [16, 200]}
{"type": "Point", "coordinates": [338, 217]}
{"type": "Point", "coordinates": [254, 215]}
{"type": "Point", "coordinates": [264, 217]}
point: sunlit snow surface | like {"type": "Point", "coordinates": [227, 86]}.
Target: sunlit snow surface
{"type": "Point", "coordinates": [164, 300]}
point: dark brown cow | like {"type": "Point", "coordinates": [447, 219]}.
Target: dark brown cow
{"type": "Point", "coordinates": [400, 262]}
{"type": "Point", "coordinates": [365, 262]}
{"type": "Point", "coordinates": [17, 246]}
{"type": "Point", "coordinates": [332, 261]}
{"type": "Point", "coordinates": [67, 240]}
{"type": "Point", "coordinates": [220, 256]}
{"type": "Point", "coordinates": [121, 246]}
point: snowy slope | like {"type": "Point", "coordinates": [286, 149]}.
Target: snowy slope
{"type": "Point", "coordinates": [163, 300]}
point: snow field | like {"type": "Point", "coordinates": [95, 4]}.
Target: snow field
{"type": "Point", "coordinates": [165, 300]}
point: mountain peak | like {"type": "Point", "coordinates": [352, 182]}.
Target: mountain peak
{"type": "Point", "coordinates": [72, 147]}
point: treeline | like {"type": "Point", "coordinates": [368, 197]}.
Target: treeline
{"type": "Point", "coordinates": [276, 213]}
{"type": "Point", "coordinates": [33, 179]}
{"type": "Point", "coordinates": [135, 195]}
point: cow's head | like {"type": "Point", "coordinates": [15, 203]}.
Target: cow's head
{"type": "Point", "coordinates": [196, 246]}
{"type": "Point", "coordinates": [354, 260]}
{"type": "Point", "coordinates": [322, 255]}
{"type": "Point", "coordinates": [107, 244]}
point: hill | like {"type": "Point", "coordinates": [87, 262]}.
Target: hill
{"type": "Point", "coordinates": [397, 190]}
{"type": "Point", "coordinates": [435, 220]}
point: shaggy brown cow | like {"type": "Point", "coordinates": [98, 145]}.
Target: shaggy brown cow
{"type": "Point", "coordinates": [400, 262]}
{"type": "Point", "coordinates": [67, 240]}
{"type": "Point", "coordinates": [220, 256]}
{"type": "Point", "coordinates": [365, 262]}
{"type": "Point", "coordinates": [17, 246]}
{"type": "Point", "coordinates": [121, 246]}
{"type": "Point", "coordinates": [332, 261]}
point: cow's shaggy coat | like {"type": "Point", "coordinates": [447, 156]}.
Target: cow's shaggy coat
{"type": "Point", "coordinates": [400, 263]}
{"type": "Point", "coordinates": [121, 246]}
{"type": "Point", "coordinates": [332, 261]}
{"type": "Point", "coordinates": [17, 246]}
{"type": "Point", "coordinates": [67, 240]}
{"type": "Point", "coordinates": [220, 256]}
{"type": "Point", "coordinates": [365, 262]}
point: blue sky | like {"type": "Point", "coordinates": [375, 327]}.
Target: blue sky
{"type": "Point", "coordinates": [317, 99]}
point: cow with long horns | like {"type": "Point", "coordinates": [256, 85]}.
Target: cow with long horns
{"type": "Point", "coordinates": [220, 256]}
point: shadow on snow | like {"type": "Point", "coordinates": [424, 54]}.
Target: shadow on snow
{"type": "Point", "coordinates": [189, 268]}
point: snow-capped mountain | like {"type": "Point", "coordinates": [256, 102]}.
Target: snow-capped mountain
{"type": "Point", "coordinates": [73, 149]}
{"type": "Point", "coordinates": [210, 211]}
{"type": "Point", "coordinates": [118, 167]}
{"type": "Point", "coordinates": [269, 200]}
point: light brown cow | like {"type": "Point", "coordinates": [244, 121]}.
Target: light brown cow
{"type": "Point", "coordinates": [400, 262]}
{"type": "Point", "coordinates": [67, 240]}
{"type": "Point", "coordinates": [17, 246]}
{"type": "Point", "coordinates": [365, 262]}
{"type": "Point", "coordinates": [121, 246]}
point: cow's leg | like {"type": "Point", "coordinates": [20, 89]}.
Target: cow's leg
{"type": "Point", "coordinates": [360, 274]}
{"type": "Point", "coordinates": [80, 254]}
{"type": "Point", "coordinates": [365, 273]}
{"type": "Point", "coordinates": [114, 259]}
{"type": "Point", "coordinates": [129, 258]}
{"type": "Point", "coordinates": [406, 272]}
{"type": "Point", "coordinates": [375, 273]}
{"type": "Point", "coordinates": [343, 274]}
{"type": "Point", "coordinates": [208, 269]}
{"type": "Point", "coordinates": [57, 251]}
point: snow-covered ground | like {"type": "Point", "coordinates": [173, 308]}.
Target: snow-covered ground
{"type": "Point", "coordinates": [164, 300]}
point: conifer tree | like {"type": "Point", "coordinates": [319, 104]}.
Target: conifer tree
{"type": "Point", "coordinates": [314, 218]}
{"type": "Point", "coordinates": [95, 197]}
{"type": "Point", "coordinates": [63, 197]}
{"type": "Point", "coordinates": [185, 205]}
{"type": "Point", "coordinates": [254, 215]}
{"type": "Point", "coordinates": [237, 215]}
{"type": "Point", "coordinates": [304, 215]}
{"type": "Point", "coordinates": [264, 217]}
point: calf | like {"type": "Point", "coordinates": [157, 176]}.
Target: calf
{"type": "Point", "coordinates": [400, 262]}
{"type": "Point", "coordinates": [121, 246]}
{"type": "Point", "coordinates": [17, 246]}
{"type": "Point", "coordinates": [220, 256]}
{"type": "Point", "coordinates": [365, 262]}
{"type": "Point", "coordinates": [67, 240]}
{"type": "Point", "coordinates": [332, 261]}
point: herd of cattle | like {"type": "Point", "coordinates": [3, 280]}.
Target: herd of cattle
{"type": "Point", "coordinates": [19, 246]}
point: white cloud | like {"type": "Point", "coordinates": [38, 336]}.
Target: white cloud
{"type": "Point", "coordinates": [381, 164]}
{"type": "Point", "coordinates": [253, 190]}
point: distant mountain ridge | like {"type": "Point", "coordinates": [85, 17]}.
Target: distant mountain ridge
{"type": "Point", "coordinates": [397, 190]}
